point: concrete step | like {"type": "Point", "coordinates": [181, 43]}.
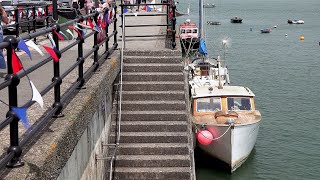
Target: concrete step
{"type": "Point", "coordinates": [153, 76]}
{"type": "Point", "coordinates": [151, 137]}
{"type": "Point", "coordinates": [152, 68]}
{"type": "Point", "coordinates": [164, 173]}
{"type": "Point", "coordinates": [153, 95]}
{"type": "Point", "coordinates": [153, 105]}
{"type": "Point", "coordinates": [152, 126]}
{"type": "Point", "coordinates": [154, 116]}
{"type": "Point", "coordinates": [152, 149]}
{"type": "Point", "coordinates": [152, 161]}
{"type": "Point", "coordinates": [153, 59]}
{"type": "Point", "coordinates": [153, 86]}
{"type": "Point", "coordinates": [152, 53]}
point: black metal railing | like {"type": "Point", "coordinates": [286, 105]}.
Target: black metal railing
{"type": "Point", "coordinates": [17, 143]}
{"type": "Point", "coordinates": [28, 18]}
{"type": "Point", "coordinates": [170, 14]}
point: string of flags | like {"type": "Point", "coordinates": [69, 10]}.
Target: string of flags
{"type": "Point", "coordinates": [17, 65]}
{"type": "Point", "coordinates": [145, 8]}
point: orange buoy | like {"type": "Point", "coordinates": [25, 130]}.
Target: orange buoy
{"type": "Point", "coordinates": [301, 38]}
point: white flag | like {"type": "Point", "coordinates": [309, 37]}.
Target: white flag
{"type": "Point", "coordinates": [36, 96]}
{"type": "Point", "coordinates": [51, 40]}
{"type": "Point", "coordinates": [68, 31]}
{"type": "Point", "coordinates": [135, 14]}
{"type": "Point", "coordinates": [30, 43]}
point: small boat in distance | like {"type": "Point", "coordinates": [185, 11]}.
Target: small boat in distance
{"type": "Point", "coordinates": [236, 19]}
{"type": "Point", "coordinates": [295, 21]}
{"type": "Point", "coordinates": [213, 23]}
{"type": "Point", "coordinates": [209, 5]}
{"type": "Point", "coordinates": [267, 30]}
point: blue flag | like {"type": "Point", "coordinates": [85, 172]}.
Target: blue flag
{"type": "Point", "coordinates": [125, 10]}
{"type": "Point", "coordinates": [22, 45]}
{"type": "Point", "coordinates": [203, 47]}
{"type": "Point", "coordinates": [149, 8]}
{"type": "Point", "coordinates": [22, 115]}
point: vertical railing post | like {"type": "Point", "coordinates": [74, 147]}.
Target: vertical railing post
{"type": "Point", "coordinates": [47, 16]}
{"type": "Point", "coordinates": [13, 102]}
{"type": "Point", "coordinates": [173, 23]}
{"type": "Point", "coordinates": [16, 14]}
{"type": "Point", "coordinates": [56, 65]}
{"type": "Point", "coordinates": [115, 41]}
{"type": "Point", "coordinates": [107, 33]}
{"type": "Point", "coordinates": [80, 55]}
{"type": "Point", "coordinates": [28, 19]}
{"type": "Point", "coordinates": [34, 21]}
{"type": "Point", "coordinates": [95, 43]}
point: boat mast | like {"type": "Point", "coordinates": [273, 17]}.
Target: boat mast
{"type": "Point", "coordinates": [201, 18]}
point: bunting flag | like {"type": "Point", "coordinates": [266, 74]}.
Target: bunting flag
{"type": "Point", "coordinates": [76, 30]}
{"type": "Point", "coordinates": [84, 31]}
{"type": "Point", "coordinates": [59, 35]}
{"type": "Point", "coordinates": [22, 45]}
{"type": "Point", "coordinates": [65, 36]}
{"type": "Point", "coordinates": [97, 28]}
{"type": "Point", "coordinates": [83, 25]}
{"type": "Point", "coordinates": [22, 115]}
{"type": "Point", "coordinates": [149, 9]}
{"type": "Point", "coordinates": [51, 40]}
{"type": "Point", "coordinates": [52, 53]}
{"type": "Point", "coordinates": [36, 96]}
{"type": "Point", "coordinates": [16, 64]}
{"type": "Point", "coordinates": [68, 31]}
{"type": "Point", "coordinates": [125, 10]}
{"type": "Point", "coordinates": [90, 23]}
{"type": "Point", "coordinates": [30, 43]}
{"type": "Point", "coordinates": [159, 10]}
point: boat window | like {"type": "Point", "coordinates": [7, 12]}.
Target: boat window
{"type": "Point", "coordinates": [189, 31]}
{"type": "Point", "coordinates": [195, 31]}
{"type": "Point", "coordinates": [238, 103]}
{"type": "Point", "coordinates": [209, 104]}
{"type": "Point", "coordinates": [183, 31]}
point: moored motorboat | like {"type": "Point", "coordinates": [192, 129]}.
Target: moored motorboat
{"type": "Point", "coordinates": [213, 23]}
{"type": "Point", "coordinates": [295, 21]}
{"type": "Point", "coordinates": [209, 5]}
{"type": "Point", "coordinates": [189, 36]}
{"type": "Point", "coordinates": [236, 19]}
{"type": "Point", "coordinates": [266, 30]}
{"type": "Point", "coordinates": [226, 122]}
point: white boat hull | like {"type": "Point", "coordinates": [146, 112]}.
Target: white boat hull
{"type": "Point", "coordinates": [235, 146]}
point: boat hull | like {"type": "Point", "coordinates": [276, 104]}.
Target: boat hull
{"type": "Point", "coordinates": [189, 45]}
{"type": "Point", "coordinates": [235, 146]}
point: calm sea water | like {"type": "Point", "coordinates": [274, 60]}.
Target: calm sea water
{"type": "Point", "coordinates": [283, 72]}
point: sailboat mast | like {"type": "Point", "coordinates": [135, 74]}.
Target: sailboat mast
{"type": "Point", "coordinates": [201, 18]}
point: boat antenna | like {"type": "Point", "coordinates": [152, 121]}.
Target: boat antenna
{"type": "Point", "coordinates": [224, 45]}
{"type": "Point", "coordinates": [220, 85]}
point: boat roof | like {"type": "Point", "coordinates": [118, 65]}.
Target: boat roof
{"type": "Point", "coordinates": [188, 25]}
{"type": "Point", "coordinates": [204, 91]}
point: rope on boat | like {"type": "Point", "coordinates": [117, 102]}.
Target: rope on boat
{"type": "Point", "coordinates": [213, 139]}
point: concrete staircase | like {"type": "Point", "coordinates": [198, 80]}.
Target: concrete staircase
{"type": "Point", "coordinates": [155, 142]}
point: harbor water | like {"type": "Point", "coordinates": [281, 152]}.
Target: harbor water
{"type": "Point", "coordinates": [283, 72]}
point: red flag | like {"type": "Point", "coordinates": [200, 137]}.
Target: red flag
{"type": "Point", "coordinates": [50, 8]}
{"type": "Point", "coordinates": [52, 53]}
{"type": "Point", "coordinates": [59, 35]}
{"type": "Point", "coordinates": [145, 8]}
{"type": "Point", "coordinates": [16, 64]}
{"type": "Point", "coordinates": [75, 29]}
{"type": "Point", "coordinates": [90, 23]}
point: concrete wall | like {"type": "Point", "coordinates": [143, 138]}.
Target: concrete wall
{"type": "Point", "coordinates": [68, 148]}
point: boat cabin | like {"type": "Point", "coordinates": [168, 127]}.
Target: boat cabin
{"type": "Point", "coordinates": [209, 100]}
{"type": "Point", "coordinates": [188, 30]}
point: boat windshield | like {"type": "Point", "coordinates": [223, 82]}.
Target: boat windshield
{"type": "Point", "coordinates": [238, 103]}
{"type": "Point", "coordinates": [195, 31]}
{"type": "Point", "coordinates": [183, 31]}
{"type": "Point", "coordinates": [209, 104]}
{"type": "Point", "coordinates": [189, 31]}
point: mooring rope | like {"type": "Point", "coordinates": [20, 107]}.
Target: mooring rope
{"type": "Point", "coordinates": [213, 139]}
